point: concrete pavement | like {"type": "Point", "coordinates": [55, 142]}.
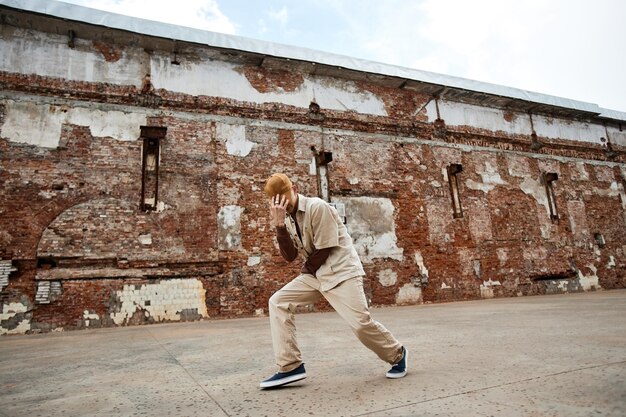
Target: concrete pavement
{"type": "Point", "coordinates": [562, 355]}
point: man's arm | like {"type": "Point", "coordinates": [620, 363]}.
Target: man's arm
{"type": "Point", "coordinates": [285, 244]}
{"type": "Point", "coordinates": [278, 206]}
{"type": "Point", "coordinates": [317, 259]}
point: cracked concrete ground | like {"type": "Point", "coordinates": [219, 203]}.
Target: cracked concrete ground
{"type": "Point", "coordinates": [561, 355]}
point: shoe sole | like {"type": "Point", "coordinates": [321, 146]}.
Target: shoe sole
{"type": "Point", "coordinates": [284, 381]}
{"type": "Point", "coordinates": [406, 367]}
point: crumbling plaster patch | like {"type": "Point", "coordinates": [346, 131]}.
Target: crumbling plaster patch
{"type": "Point", "coordinates": [191, 78]}
{"type": "Point", "coordinates": [40, 124]}
{"type": "Point", "coordinates": [591, 281]}
{"type": "Point", "coordinates": [11, 311]}
{"type": "Point", "coordinates": [462, 114]}
{"type": "Point", "coordinates": [617, 136]}
{"type": "Point", "coordinates": [89, 318]}
{"type": "Point", "coordinates": [419, 261]}
{"type": "Point", "coordinates": [409, 294]}
{"type": "Point", "coordinates": [580, 172]}
{"type": "Point", "coordinates": [517, 166]}
{"type": "Point", "coordinates": [165, 300]}
{"type": "Point", "coordinates": [489, 175]}
{"type": "Point", "coordinates": [234, 137]}
{"type": "Point", "coordinates": [582, 282]}
{"type": "Point", "coordinates": [555, 128]}
{"type": "Point", "coordinates": [535, 189]}
{"type": "Point", "coordinates": [611, 263]}
{"type": "Point", "coordinates": [371, 223]}
{"type": "Point", "coordinates": [50, 56]}
{"type": "Point", "coordinates": [549, 165]}
{"type": "Point", "coordinates": [503, 256]}
{"type": "Point", "coordinates": [387, 277]}
{"type": "Point", "coordinates": [486, 288]}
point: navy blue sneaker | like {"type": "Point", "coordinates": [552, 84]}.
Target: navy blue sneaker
{"type": "Point", "coordinates": [284, 378]}
{"type": "Point", "coordinates": [399, 369]}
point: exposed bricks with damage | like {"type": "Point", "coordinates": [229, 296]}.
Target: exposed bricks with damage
{"type": "Point", "coordinates": [132, 168]}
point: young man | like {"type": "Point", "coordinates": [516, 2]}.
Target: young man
{"type": "Point", "coordinates": [332, 269]}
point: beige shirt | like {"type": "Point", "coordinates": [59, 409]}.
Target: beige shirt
{"type": "Point", "coordinates": [321, 228]}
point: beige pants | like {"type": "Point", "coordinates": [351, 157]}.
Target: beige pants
{"type": "Point", "coordinates": [347, 298]}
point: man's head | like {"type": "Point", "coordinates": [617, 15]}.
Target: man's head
{"type": "Point", "coordinates": [279, 185]}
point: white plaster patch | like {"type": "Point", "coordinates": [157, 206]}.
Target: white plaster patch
{"type": "Point", "coordinates": [537, 191]}
{"type": "Point", "coordinates": [549, 165]}
{"type": "Point", "coordinates": [462, 114]}
{"type": "Point", "coordinates": [115, 124]}
{"type": "Point", "coordinates": [40, 124]}
{"type": "Point", "coordinates": [46, 194]}
{"type": "Point", "coordinates": [49, 55]}
{"type": "Point", "coordinates": [611, 263]}
{"type": "Point", "coordinates": [580, 173]}
{"type": "Point", "coordinates": [353, 181]}
{"type": "Point", "coordinates": [87, 317]}
{"type": "Point", "coordinates": [228, 81]}
{"type": "Point", "coordinates": [617, 135]}
{"type": "Point", "coordinates": [476, 266]}
{"type": "Point", "coordinates": [90, 316]}
{"type": "Point", "coordinates": [254, 260]}
{"type": "Point", "coordinates": [561, 284]}
{"type": "Point", "coordinates": [490, 178]}
{"type": "Point", "coordinates": [163, 301]}
{"type": "Point", "coordinates": [503, 255]}
{"type": "Point", "coordinates": [486, 288]}
{"type": "Point", "coordinates": [234, 137]}
{"type": "Point", "coordinates": [545, 230]}
{"type": "Point", "coordinates": [490, 175]}
{"type": "Point", "coordinates": [591, 281]}
{"type": "Point", "coordinates": [419, 261]}
{"type": "Point", "coordinates": [444, 286]}
{"type": "Point", "coordinates": [613, 190]}
{"type": "Point", "coordinates": [313, 166]}
{"type": "Point", "coordinates": [11, 310]}
{"type": "Point", "coordinates": [370, 222]}
{"type": "Point", "coordinates": [517, 166]}
{"type": "Point", "coordinates": [478, 186]}
{"type": "Point", "coordinates": [387, 277]}
{"type": "Point", "coordinates": [579, 131]}
{"type": "Point", "coordinates": [145, 239]}
{"type": "Point", "coordinates": [229, 227]}
{"type": "Point", "coordinates": [409, 294]}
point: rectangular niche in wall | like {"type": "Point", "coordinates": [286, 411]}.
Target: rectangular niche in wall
{"type": "Point", "coordinates": [151, 136]}
{"type": "Point", "coordinates": [453, 181]}
{"type": "Point", "coordinates": [548, 180]}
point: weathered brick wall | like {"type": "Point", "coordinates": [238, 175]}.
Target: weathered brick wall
{"type": "Point", "coordinates": [85, 254]}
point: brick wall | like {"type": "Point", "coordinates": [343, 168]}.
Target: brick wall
{"type": "Point", "coordinates": [85, 254]}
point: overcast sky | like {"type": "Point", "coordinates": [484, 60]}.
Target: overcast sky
{"type": "Point", "coordinates": [567, 48]}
